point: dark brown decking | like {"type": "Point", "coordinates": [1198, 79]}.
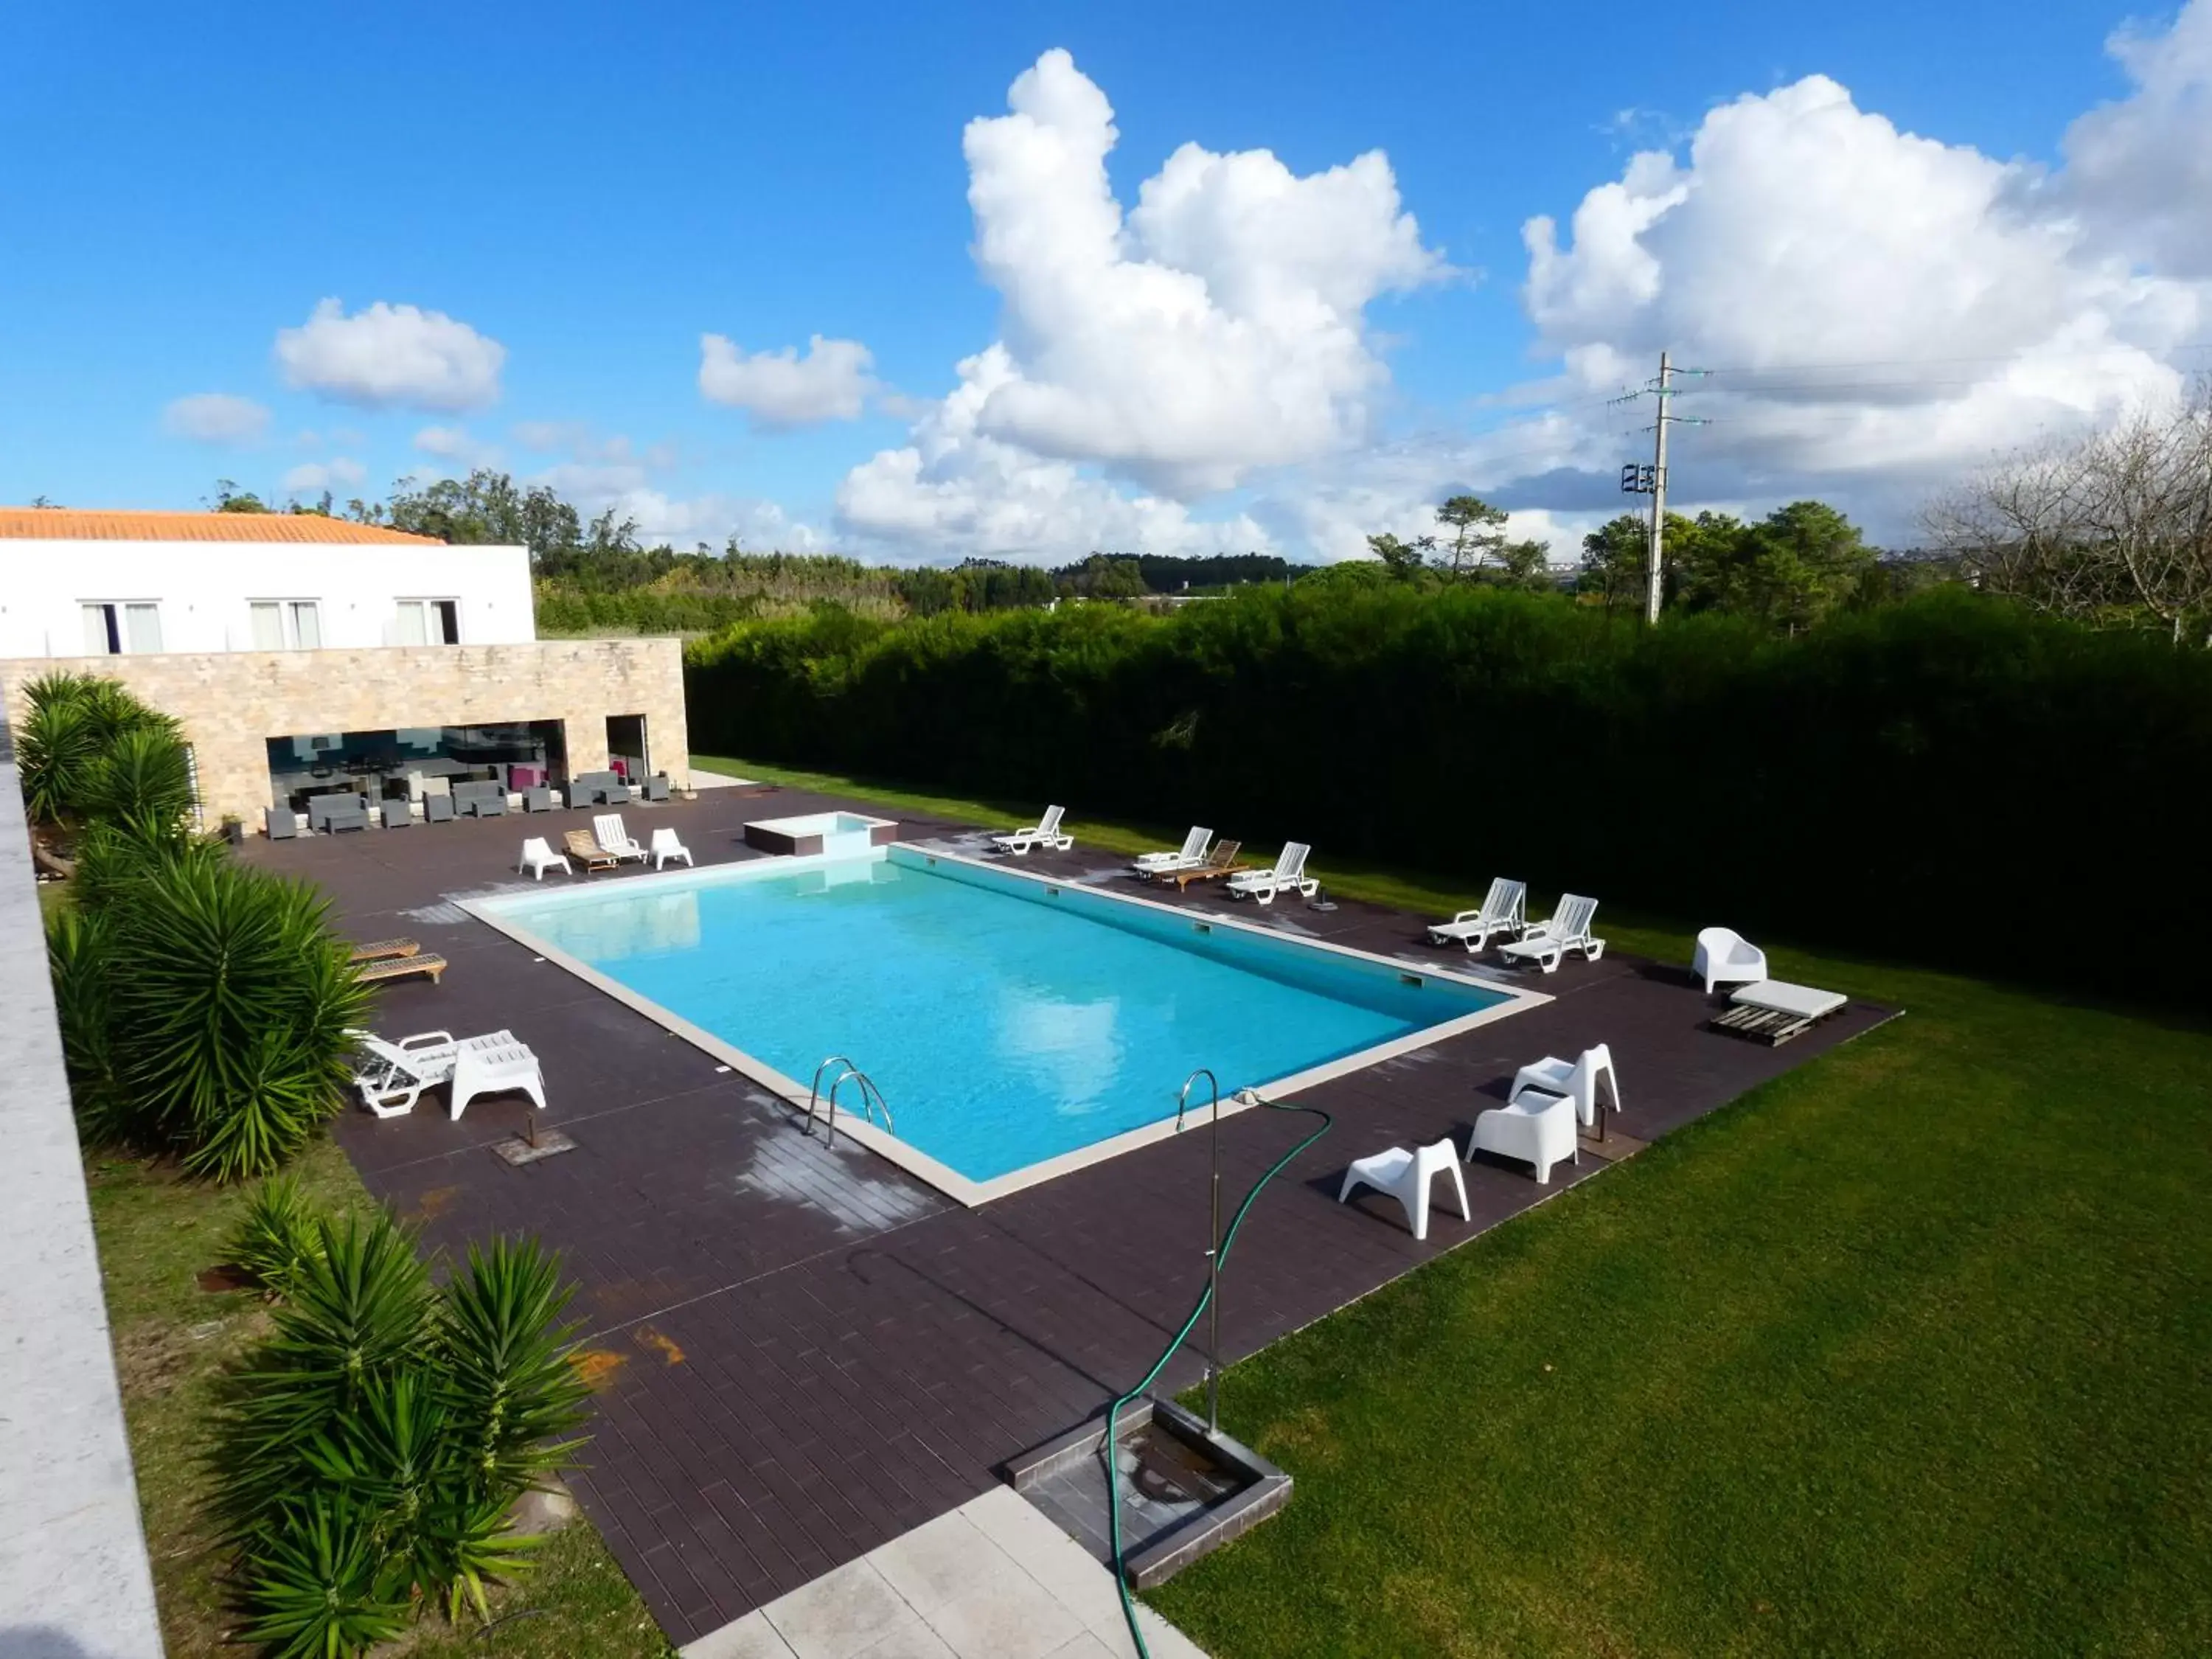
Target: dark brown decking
{"type": "Point", "coordinates": [804, 1351]}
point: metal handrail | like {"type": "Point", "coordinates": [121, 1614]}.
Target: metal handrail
{"type": "Point", "coordinates": [871, 1097]}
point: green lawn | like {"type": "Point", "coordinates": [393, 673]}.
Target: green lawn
{"type": "Point", "coordinates": [1908, 1352]}
{"type": "Point", "coordinates": [157, 1232]}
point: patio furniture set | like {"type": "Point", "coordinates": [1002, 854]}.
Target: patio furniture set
{"type": "Point", "coordinates": [342, 810]}
{"type": "Point", "coordinates": [607, 845]}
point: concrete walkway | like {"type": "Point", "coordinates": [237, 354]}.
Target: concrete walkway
{"type": "Point", "coordinates": [993, 1579]}
{"type": "Point", "coordinates": [73, 1579]}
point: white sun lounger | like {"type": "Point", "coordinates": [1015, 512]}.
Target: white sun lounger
{"type": "Point", "coordinates": [539, 856]}
{"type": "Point", "coordinates": [1775, 1011]}
{"type": "Point", "coordinates": [1189, 856]}
{"type": "Point", "coordinates": [1567, 928]}
{"type": "Point", "coordinates": [1046, 833]}
{"type": "Point", "coordinates": [1539, 1128]}
{"type": "Point", "coordinates": [1505, 910]}
{"type": "Point", "coordinates": [496, 1064]}
{"type": "Point", "coordinates": [396, 1073]}
{"type": "Point", "coordinates": [666, 847]}
{"type": "Point", "coordinates": [1404, 1176]}
{"type": "Point", "coordinates": [1289, 875]}
{"type": "Point", "coordinates": [609, 830]}
{"type": "Point", "coordinates": [1725, 957]}
{"type": "Point", "coordinates": [1578, 1079]}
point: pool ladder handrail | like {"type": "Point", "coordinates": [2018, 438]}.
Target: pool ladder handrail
{"type": "Point", "coordinates": [871, 1097]}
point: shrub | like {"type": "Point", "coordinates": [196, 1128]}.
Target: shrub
{"type": "Point", "coordinates": [1948, 759]}
{"type": "Point", "coordinates": [74, 725]}
{"type": "Point", "coordinates": [376, 1442]}
{"type": "Point", "coordinates": [277, 1237]}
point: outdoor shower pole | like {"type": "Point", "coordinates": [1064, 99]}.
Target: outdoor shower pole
{"type": "Point", "coordinates": [1212, 1247]}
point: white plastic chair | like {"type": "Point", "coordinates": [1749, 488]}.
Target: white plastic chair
{"type": "Point", "coordinates": [1046, 833]}
{"type": "Point", "coordinates": [494, 1065]}
{"type": "Point", "coordinates": [398, 1073]}
{"type": "Point", "coordinates": [1578, 1079]}
{"type": "Point", "coordinates": [1538, 1129]}
{"type": "Point", "coordinates": [1189, 856]}
{"type": "Point", "coordinates": [1505, 910]}
{"type": "Point", "coordinates": [608, 827]}
{"type": "Point", "coordinates": [1567, 928]}
{"type": "Point", "coordinates": [667, 847]}
{"type": "Point", "coordinates": [1725, 957]}
{"type": "Point", "coordinates": [1289, 874]}
{"type": "Point", "coordinates": [1405, 1177]}
{"type": "Point", "coordinates": [539, 856]}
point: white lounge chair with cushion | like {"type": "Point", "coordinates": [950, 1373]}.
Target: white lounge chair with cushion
{"type": "Point", "coordinates": [1189, 856]}
{"type": "Point", "coordinates": [1504, 910]}
{"type": "Point", "coordinates": [1579, 1079]}
{"type": "Point", "coordinates": [394, 1074]}
{"type": "Point", "coordinates": [667, 847]}
{"type": "Point", "coordinates": [1044, 833]}
{"type": "Point", "coordinates": [496, 1064]}
{"type": "Point", "coordinates": [1775, 1011]}
{"type": "Point", "coordinates": [1725, 957]}
{"type": "Point", "coordinates": [1405, 1177]}
{"type": "Point", "coordinates": [1289, 875]}
{"type": "Point", "coordinates": [609, 830]}
{"type": "Point", "coordinates": [1567, 928]}
{"type": "Point", "coordinates": [1537, 1128]}
{"type": "Point", "coordinates": [539, 856]}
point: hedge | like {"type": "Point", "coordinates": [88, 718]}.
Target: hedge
{"type": "Point", "coordinates": [1949, 780]}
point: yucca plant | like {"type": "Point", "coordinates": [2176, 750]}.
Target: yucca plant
{"type": "Point", "coordinates": [317, 1584]}
{"type": "Point", "coordinates": [276, 1236]}
{"type": "Point", "coordinates": [79, 959]}
{"type": "Point", "coordinates": [140, 774]}
{"type": "Point", "coordinates": [373, 1446]}
{"type": "Point", "coordinates": [55, 748]}
{"type": "Point", "coordinates": [233, 1004]}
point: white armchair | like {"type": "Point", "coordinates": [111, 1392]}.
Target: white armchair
{"type": "Point", "coordinates": [1578, 1079]}
{"type": "Point", "coordinates": [1725, 957]}
{"type": "Point", "coordinates": [1404, 1176]}
{"type": "Point", "coordinates": [1538, 1128]}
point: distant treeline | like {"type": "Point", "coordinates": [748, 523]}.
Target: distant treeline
{"type": "Point", "coordinates": [1915, 778]}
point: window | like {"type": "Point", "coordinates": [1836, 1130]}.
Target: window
{"type": "Point", "coordinates": [111, 628]}
{"type": "Point", "coordinates": [286, 624]}
{"type": "Point", "coordinates": [430, 621]}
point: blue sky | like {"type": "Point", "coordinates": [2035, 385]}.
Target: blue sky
{"type": "Point", "coordinates": [595, 188]}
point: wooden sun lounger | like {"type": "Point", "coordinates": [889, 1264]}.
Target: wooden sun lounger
{"type": "Point", "coordinates": [378, 950]}
{"type": "Point", "coordinates": [400, 968]}
{"type": "Point", "coordinates": [583, 845]}
{"type": "Point", "coordinates": [1222, 863]}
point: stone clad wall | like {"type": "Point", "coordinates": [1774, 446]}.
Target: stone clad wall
{"type": "Point", "coordinates": [230, 703]}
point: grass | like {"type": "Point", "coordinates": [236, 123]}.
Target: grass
{"type": "Point", "coordinates": [1907, 1353]}
{"type": "Point", "coordinates": [156, 1232]}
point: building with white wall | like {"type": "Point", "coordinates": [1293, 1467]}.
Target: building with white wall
{"type": "Point", "coordinates": [114, 584]}
{"type": "Point", "coordinates": [306, 656]}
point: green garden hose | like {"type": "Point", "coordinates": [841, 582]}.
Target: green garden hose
{"type": "Point", "coordinates": [1113, 1412]}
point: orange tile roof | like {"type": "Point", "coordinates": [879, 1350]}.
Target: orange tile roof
{"type": "Point", "coordinates": [66, 524]}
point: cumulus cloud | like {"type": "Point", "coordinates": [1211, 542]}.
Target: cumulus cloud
{"type": "Point", "coordinates": [1215, 329]}
{"type": "Point", "coordinates": [614, 473]}
{"type": "Point", "coordinates": [216, 418]}
{"type": "Point", "coordinates": [781, 389]}
{"type": "Point", "coordinates": [388, 355]}
{"type": "Point", "coordinates": [1883, 310]}
{"type": "Point", "coordinates": [313, 478]}
{"type": "Point", "coordinates": [456, 446]}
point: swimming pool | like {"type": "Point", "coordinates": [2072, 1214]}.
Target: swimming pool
{"type": "Point", "coordinates": [1016, 1026]}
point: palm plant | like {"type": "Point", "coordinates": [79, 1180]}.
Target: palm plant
{"type": "Point", "coordinates": [320, 1587]}
{"type": "Point", "coordinates": [276, 1236]}
{"type": "Point", "coordinates": [233, 1004]}
{"type": "Point", "coordinates": [77, 957]}
{"type": "Point", "coordinates": [141, 775]}
{"type": "Point", "coordinates": [509, 1386]}
{"type": "Point", "coordinates": [55, 748]}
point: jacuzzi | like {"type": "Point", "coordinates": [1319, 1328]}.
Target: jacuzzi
{"type": "Point", "coordinates": [836, 835]}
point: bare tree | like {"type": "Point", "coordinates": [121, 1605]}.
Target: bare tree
{"type": "Point", "coordinates": [2113, 527]}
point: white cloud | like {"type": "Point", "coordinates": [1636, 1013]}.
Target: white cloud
{"type": "Point", "coordinates": [2140, 170]}
{"type": "Point", "coordinates": [781, 389]}
{"type": "Point", "coordinates": [216, 418]}
{"type": "Point", "coordinates": [614, 473]}
{"type": "Point", "coordinates": [313, 478]}
{"type": "Point", "coordinates": [392, 355]}
{"type": "Point", "coordinates": [1216, 329]}
{"type": "Point", "coordinates": [457, 446]}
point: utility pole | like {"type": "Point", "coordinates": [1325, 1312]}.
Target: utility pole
{"type": "Point", "coordinates": [1653, 575]}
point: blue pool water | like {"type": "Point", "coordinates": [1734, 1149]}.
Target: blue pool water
{"type": "Point", "coordinates": [1006, 1022]}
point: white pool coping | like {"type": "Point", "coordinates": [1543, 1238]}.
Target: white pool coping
{"type": "Point", "coordinates": [954, 1185]}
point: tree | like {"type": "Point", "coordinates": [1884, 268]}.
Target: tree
{"type": "Point", "coordinates": [1477, 528]}
{"type": "Point", "coordinates": [1524, 564]}
{"type": "Point", "coordinates": [1403, 560]}
{"type": "Point", "coordinates": [229, 498]}
{"type": "Point", "coordinates": [1613, 559]}
{"type": "Point", "coordinates": [2116, 528]}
